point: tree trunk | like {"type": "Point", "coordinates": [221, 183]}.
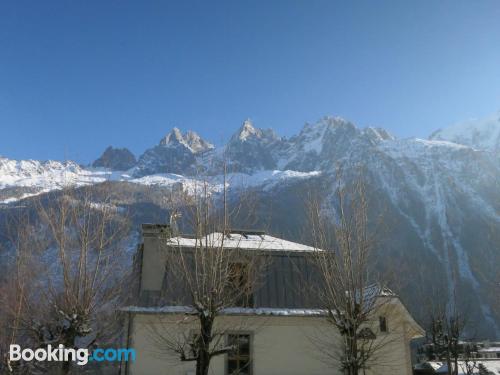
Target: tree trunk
{"type": "Point", "coordinates": [448, 360]}
{"type": "Point", "coordinates": [352, 352]}
{"type": "Point", "coordinates": [203, 360]}
{"type": "Point", "coordinates": [352, 370]}
{"type": "Point", "coordinates": [68, 342]}
{"type": "Point", "coordinates": [203, 363]}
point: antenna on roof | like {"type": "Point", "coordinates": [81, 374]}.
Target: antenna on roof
{"type": "Point", "coordinates": [173, 222]}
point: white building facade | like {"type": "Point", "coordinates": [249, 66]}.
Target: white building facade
{"type": "Point", "coordinates": [276, 336]}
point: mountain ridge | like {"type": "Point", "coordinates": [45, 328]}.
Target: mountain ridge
{"type": "Point", "coordinates": [442, 198]}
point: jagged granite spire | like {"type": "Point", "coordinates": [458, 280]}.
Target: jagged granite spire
{"type": "Point", "coordinates": [176, 153]}
{"type": "Point", "coordinates": [120, 159]}
{"type": "Point", "coordinates": [190, 139]}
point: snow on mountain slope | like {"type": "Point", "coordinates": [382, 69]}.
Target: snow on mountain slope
{"type": "Point", "coordinates": [483, 134]}
{"type": "Point", "coordinates": [49, 174]}
{"type": "Point", "coordinates": [250, 149]}
{"type": "Point", "coordinates": [432, 171]}
{"type": "Point", "coordinates": [264, 180]}
{"type": "Point", "coordinates": [442, 195]}
{"type": "Point", "coordinates": [24, 178]}
{"type": "Point", "coordinates": [190, 140]}
{"type": "Point", "coordinates": [449, 195]}
{"type": "Point", "coordinates": [321, 145]}
{"type": "Point", "coordinates": [175, 153]}
{"type": "Point", "coordinates": [39, 177]}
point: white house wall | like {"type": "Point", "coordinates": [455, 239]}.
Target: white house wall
{"type": "Point", "coordinates": [281, 345]}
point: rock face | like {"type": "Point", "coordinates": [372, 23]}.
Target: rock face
{"type": "Point", "coordinates": [439, 198]}
{"type": "Point", "coordinates": [321, 145]}
{"type": "Point", "coordinates": [176, 153]}
{"type": "Point", "coordinates": [118, 159]}
{"type": "Point", "coordinates": [251, 149]}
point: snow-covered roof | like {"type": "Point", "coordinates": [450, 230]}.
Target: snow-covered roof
{"type": "Point", "coordinates": [377, 290]}
{"type": "Point", "coordinates": [244, 241]}
{"type": "Point", "coordinates": [442, 368]}
{"type": "Point", "coordinates": [264, 311]}
{"type": "Point", "coordinates": [491, 349]}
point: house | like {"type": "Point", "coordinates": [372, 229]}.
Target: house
{"type": "Point", "coordinates": [277, 331]}
{"type": "Point", "coordinates": [489, 351]}
{"type": "Point", "coordinates": [473, 366]}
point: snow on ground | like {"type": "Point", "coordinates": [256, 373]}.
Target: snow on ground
{"type": "Point", "coordinates": [416, 148]}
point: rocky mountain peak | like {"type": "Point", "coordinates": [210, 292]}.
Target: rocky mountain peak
{"type": "Point", "coordinates": [247, 130]}
{"type": "Point", "coordinates": [251, 148]}
{"type": "Point", "coordinates": [196, 143]}
{"type": "Point", "coordinates": [120, 159]}
{"type": "Point", "coordinates": [189, 140]}
{"type": "Point", "coordinates": [173, 137]}
{"type": "Point", "coordinates": [329, 122]}
{"type": "Point", "coordinates": [439, 198]}
{"type": "Point", "coordinates": [248, 133]}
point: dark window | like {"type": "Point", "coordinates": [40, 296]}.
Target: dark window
{"type": "Point", "coordinates": [382, 320]}
{"type": "Point", "coordinates": [366, 334]}
{"type": "Point", "coordinates": [239, 359]}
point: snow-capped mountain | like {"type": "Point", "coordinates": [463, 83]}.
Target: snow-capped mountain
{"type": "Point", "coordinates": [483, 134]}
{"type": "Point", "coordinates": [327, 142]}
{"type": "Point", "coordinates": [24, 178]}
{"type": "Point", "coordinates": [176, 153]}
{"type": "Point", "coordinates": [439, 198]}
{"type": "Point", "coordinates": [251, 149]}
{"type": "Point", "coordinates": [191, 140]}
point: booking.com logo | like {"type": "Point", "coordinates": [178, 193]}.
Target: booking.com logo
{"type": "Point", "coordinates": [62, 354]}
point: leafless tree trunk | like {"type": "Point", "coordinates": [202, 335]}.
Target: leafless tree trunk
{"type": "Point", "coordinates": [342, 257]}
{"type": "Point", "coordinates": [16, 289]}
{"type": "Point", "coordinates": [77, 242]}
{"type": "Point", "coordinates": [212, 276]}
{"type": "Point", "coordinates": [446, 325]}
{"type": "Point", "coordinates": [470, 364]}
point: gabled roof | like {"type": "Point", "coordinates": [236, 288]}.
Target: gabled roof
{"type": "Point", "coordinates": [240, 240]}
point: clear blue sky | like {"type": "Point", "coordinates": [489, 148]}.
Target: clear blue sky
{"type": "Point", "coordinates": [76, 76]}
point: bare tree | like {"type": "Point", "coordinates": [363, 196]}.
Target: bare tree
{"type": "Point", "coordinates": [78, 242]}
{"type": "Point", "coordinates": [446, 327]}
{"type": "Point", "coordinates": [469, 357]}
{"type": "Point", "coordinates": [16, 289]}
{"type": "Point", "coordinates": [206, 277]}
{"type": "Point", "coordinates": [344, 249]}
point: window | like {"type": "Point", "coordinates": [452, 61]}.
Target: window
{"type": "Point", "coordinates": [239, 278]}
{"type": "Point", "coordinates": [382, 320]}
{"type": "Point", "coordinates": [366, 334]}
{"type": "Point", "coordinates": [239, 358]}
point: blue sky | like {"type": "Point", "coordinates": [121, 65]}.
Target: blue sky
{"type": "Point", "coordinates": [76, 76]}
